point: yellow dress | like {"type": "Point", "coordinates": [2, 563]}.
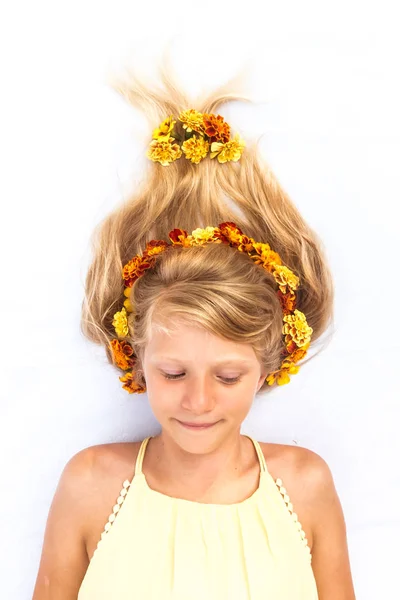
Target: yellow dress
{"type": "Point", "coordinates": [155, 547]}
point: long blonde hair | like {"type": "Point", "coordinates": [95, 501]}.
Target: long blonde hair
{"type": "Point", "coordinates": [212, 286]}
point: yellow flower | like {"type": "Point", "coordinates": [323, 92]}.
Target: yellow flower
{"type": "Point", "coordinates": [192, 120]}
{"type": "Point", "coordinates": [127, 302]}
{"type": "Point", "coordinates": [297, 329]}
{"type": "Point", "coordinates": [128, 305]}
{"type": "Point", "coordinates": [201, 236]}
{"type": "Point", "coordinates": [281, 376]}
{"type": "Point", "coordinates": [164, 151]}
{"type": "Point", "coordinates": [164, 130]}
{"type": "Point", "coordinates": [120, 323]}
{"type": "Point", "coordinates": [195, 148]}
{"type": "Point", "coordinates": [231, 150]}
{"type": "Point", "coordinates": [285, 277]}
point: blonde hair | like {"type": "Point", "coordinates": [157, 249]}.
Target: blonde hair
{"type": "Point", "coordinates": [212, 286]}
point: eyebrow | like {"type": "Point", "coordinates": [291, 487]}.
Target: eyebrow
{"type": "Point", "coordinates": [224, 361]}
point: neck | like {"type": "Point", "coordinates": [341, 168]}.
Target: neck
{"type": "Point", "coordinates": [201, 465]}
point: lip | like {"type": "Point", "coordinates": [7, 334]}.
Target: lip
{"type": "Point", "coordinates": [195, 427]}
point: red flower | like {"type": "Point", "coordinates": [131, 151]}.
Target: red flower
{"type": "Point", "coordinates": [216, 128]}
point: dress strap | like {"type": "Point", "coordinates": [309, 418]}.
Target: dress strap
{"type": "Point", "coordinates": [140, 456]}
{"type": "Point", "coordinates": [263, 464]}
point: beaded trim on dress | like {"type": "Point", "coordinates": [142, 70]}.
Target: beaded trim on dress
{"type": "Point", "coordinates": [116, 509]}
{"type": "Point", "coordinates": [289, 505]}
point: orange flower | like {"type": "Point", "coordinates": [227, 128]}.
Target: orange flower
{"type": "Point", "coordinates": [290, 346]}
{"type": "Point", "coordinates": [299, 353]}
{"type": "Point", "coordinates": [130, 385]}
{"type": "Point", "coordinates": [123, 354]}
{"type": "Point", "coordinates": [180, 237]}
{"type": "Point", "coordinates": [155, 247]}
{"type": "Point", "coordinates": [266, 257]}
{"type": "Point", "coordinates": [232, 233]}
{"type": "Point", "coordinates": [246, 244]}
{"type": "Point", "coordinates": [216, 128]}
{"type": "Point", "coordinates": [134, 269]}
{"type": "Point", "coordinates": [288, 301]}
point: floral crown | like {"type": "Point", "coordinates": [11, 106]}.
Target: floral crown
{"type": "Point", "coordinates": [297, 333]}
{"type": "Point", "coordinates": [213, 134]}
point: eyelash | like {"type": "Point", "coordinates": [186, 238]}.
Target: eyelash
{"type": "Point", "coordinates": [227, 380]}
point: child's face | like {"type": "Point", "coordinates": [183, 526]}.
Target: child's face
{"type": "Point", "coordinates": [202, 391]}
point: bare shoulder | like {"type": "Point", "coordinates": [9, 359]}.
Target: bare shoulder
{"type": "Point", "coordinates": [285, 461]}
{"type": "Point", "coordinates": [110, 465]}
{"type": "Point", "coordinates": [303, 473]}
{"type": "Point", "coordinates": [84, 494]}
{"type": "Point", "coordinates": [309, 482]}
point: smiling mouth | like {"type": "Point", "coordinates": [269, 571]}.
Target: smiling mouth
{"type": "Point", "coordinates": [197, 425]}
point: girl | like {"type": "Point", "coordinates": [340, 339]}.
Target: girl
{"type": "Point", "coordinates": [205, 288]}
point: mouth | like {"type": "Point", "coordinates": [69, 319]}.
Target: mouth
{"type": "Point", "coordinates": [197, 426]}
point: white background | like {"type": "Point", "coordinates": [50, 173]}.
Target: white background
{"type": "Point", "coordinates": [324, 78]}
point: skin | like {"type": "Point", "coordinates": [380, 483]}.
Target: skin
{"type": "Point", "coordinates": [216, 465]}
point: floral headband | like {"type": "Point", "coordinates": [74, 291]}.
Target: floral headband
{"type": "Point", "coordinates": [297, 333]}
{"type": "Point", "coordinates": [213, 134]}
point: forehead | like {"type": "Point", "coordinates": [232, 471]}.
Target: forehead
{"type": "Point", "coordinates": [221, 361]}
{"type": "Point", "coordinates": [193, 344]}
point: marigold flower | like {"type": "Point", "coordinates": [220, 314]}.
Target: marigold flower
{"type": "Point", "coordinates": [297, 329]}
{"type": "Point", "coordinates": [195, 149]}
{"type": "Point", "coordinates": [123, 354]}
{"type": "Point", "coordinates": [299, 353]}
{"type": "Point", "coordinates": [281, 376]}
{"type": "Point", "coordinates": [201, 236]}
{"type": "Point", "coordinates": [127, 302]}
{"type": "Point", "coordinates": [285, 277]}
{"type": "Point", "coordinates": [266, 257]}
{"type": "Point", "coordinates": [130, 385]}
{"type": "Point", "coordinates": [232, 233]}
{"type": "Point", "coordinates": [231, 150]}
{"type": "Point", "coordinates": [216, 128]}
{"type": "Point", "coordinates": [164, 151]}
{"type": "Point", "coordinates": [135, 268]}
{"type": "Point", "coordinates": [288, 301]}
{"type": "Point", "coordinates": [163, 131]}
{"type": "Point", "coordinates": [155, 247]}
{"type": "Point", "coordinates": [128, 305]}
{"type": "Point", "coordinates": [192, 120]}
{"type": "Point", "coordinates": [180, 237]}
{"type": "Point", "coordinates": [246, 244]}
{"type": "Point", "coordinates": [120, 323]}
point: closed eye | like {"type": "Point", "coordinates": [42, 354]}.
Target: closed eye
{"type": "Point", "coordinates": [228, 380]}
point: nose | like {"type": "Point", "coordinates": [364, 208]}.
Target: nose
{"type": "Point", "coordinates": [199, 397]}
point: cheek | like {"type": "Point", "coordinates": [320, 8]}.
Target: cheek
{"type": "Point", "coordinates": [162, 396]}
